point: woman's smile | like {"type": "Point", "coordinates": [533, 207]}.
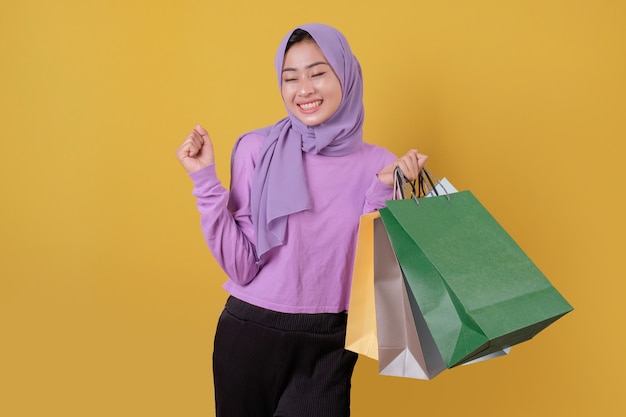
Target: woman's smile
{"type": "Point", "coordinates": [310, 106]}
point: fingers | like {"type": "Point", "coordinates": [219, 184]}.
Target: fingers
{"type": "Point", "coordinates": [196, 151]}
{"type": "Point", "coordinates": [411, 164]}
{"type": "Point", "coordinates": [192, 145]}
{"type": "Point", "coordinates": [201, 130]}
{"type": "Point", "coordinates": [421, 160]}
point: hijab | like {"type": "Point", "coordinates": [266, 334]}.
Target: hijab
{"type": "Point", "coordinates": [279, 184]}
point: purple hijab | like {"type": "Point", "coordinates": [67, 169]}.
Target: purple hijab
{"type": "Point", "coordinates": [279, 185]}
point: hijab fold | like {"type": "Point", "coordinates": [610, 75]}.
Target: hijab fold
{"type": "Point", "coordinates": [279, 185]}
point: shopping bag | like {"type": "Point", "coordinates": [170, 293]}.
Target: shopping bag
{"type": "Point", "coordinates": [477, 291]}
{"type": "Point", "coordinates": [381, 323]}
{"type": "Point", "coordinates": [405, 345]}
{"type": "Point", "coordinates": [361, 327]}
{"type": "Point", "coordinates": [378, 296]}
{"type": "Point", "coordinates": [443, 187]}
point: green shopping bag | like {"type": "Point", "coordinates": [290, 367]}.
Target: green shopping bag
{"type": "Point", "coordinates": [477, 290]}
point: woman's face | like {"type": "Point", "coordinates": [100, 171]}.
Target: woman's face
{"type": "Point", "coordinates": [310, 88]}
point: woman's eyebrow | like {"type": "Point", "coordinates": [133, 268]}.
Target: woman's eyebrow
{"type": "Point", "coordinates": [307, 66]}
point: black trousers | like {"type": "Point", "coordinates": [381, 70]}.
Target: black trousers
{"type": "Point", "coordinates": [267, 363]}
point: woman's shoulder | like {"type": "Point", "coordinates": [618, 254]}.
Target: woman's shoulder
{"type": "Point", "coordinates": [377, 151]}
{"type": "Point", "coordinates": [251, 140]}
{"type": "Point", "coordinates": [248, 145]}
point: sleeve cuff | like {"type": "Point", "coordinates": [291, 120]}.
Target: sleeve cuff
{"type": "Point", "coordinates": [204, 180]}
{"type": "Point", "coordinates": [379, 193]}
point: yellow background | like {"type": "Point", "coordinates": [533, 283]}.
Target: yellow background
{"type": "Point", "coordinates": [108, 295]}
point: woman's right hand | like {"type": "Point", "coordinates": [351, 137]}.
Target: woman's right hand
{"type": "Point", "coordinates": [196, 152]}
{"type": "Point", "coordinates": [411, 164]}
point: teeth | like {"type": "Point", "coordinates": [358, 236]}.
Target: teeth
{"type": "Point", "coordinates": [309, 106]}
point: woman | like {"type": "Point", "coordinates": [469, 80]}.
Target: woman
{"type": "Point", "coordinates": [285, 234]}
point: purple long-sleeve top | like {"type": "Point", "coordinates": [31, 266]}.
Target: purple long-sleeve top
{"type": "Point", "coordinates": [311, 272]}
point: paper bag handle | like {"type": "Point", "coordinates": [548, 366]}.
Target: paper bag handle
{"type": "Point", "coordinates": [425, 185]}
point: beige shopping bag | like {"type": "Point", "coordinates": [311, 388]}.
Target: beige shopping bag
{"type": "Point", "coordinates": [361, 332]}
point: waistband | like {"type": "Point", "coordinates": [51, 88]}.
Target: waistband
{"type": "Point", "coordinates": [291, 322]}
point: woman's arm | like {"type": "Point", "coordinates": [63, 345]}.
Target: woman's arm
{"type": "Point", "coordinates": [224, 217]}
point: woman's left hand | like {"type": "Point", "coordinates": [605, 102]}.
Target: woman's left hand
{"type": "Point", "coordinates": [411, 164]}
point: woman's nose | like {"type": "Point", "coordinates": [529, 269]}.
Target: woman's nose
{"type": "Point", "coordinates": [305, 87]}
